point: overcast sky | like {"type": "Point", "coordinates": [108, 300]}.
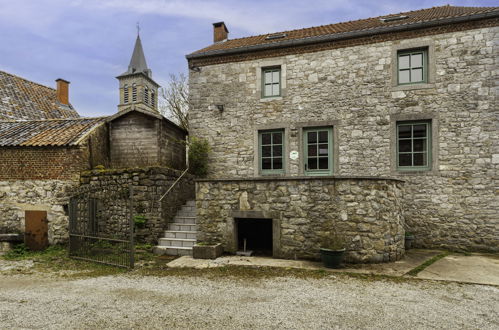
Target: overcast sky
{"type": "Point", "coordinates": [89, 42]}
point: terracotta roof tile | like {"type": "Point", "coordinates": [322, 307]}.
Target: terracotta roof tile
{"type": "Point", "coordinates": [52, 132]}
{"type": "Point", "coordinates": [27, 100]}
{"type": "Point", "coordinates": [417, 16]}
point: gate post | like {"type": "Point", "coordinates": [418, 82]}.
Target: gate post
{"type": "Point", "coordinates": [132, 227]}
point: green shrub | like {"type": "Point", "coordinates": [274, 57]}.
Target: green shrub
{"type": "Point", "coordinates": [198, 156]}
{"type": "Point", "coordinates": [139, 221]}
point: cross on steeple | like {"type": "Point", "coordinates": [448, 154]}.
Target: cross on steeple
{"type": "Point", "coordinates": [138, 28]}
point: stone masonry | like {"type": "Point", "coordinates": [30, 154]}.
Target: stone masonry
{"type": "Point", "coordinates": [454, 205]}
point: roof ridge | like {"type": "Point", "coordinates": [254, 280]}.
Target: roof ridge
{"type": "Point", "coordinates": [51, 119]}
{"type": "Point", "coordinates": [27, 80]}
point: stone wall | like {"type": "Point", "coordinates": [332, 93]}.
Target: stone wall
{"type": "Point", "coordinates": [173, 142]}
{"type": "Point", "coordinates": [149, 184]}
{"type": "Point", "coordinates": [367, 212]}
{"type": "Point", "coordinates": [52, 196]}
{"type": "Point", "coordinates": [454, 205]}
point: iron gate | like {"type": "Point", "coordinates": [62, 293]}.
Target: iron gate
{"type": "Point", "coordinates": [101, 226]}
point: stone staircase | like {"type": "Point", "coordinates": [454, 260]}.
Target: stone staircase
{"type": "Point", "coordinates": [181, 234]}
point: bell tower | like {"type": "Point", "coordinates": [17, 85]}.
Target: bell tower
{"type": "Point", "coordinates": [137, 88]}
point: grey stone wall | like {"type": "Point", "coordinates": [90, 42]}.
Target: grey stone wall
{"type": "Point", "coordinates": [366, 212]}
{"type": "Point", "coordinates": [454, 205]}
{"type": "Point", "coordinates": [16, 197]}
{"type": "Point", "coordinates": [149, 184]}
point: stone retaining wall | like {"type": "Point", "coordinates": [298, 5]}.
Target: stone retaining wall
{"type": "Point", "coordinates": [366, 210]}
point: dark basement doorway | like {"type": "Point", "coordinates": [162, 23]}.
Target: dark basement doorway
{"type": "Point", "coordinates": [258, 235]}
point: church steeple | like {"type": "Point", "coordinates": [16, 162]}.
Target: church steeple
{"type": "Point", "coordinates": [137, 88]}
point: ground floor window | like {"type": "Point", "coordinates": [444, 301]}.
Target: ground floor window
{"type": "Point", "coordinates": [271, 151]}
{"type": "Point", "coordinates": [318, 150]}
{"type": "Point", "coordinates": [414, 145]}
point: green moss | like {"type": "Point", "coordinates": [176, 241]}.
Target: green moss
{"type": "Point", "coordinates": [416, 270]}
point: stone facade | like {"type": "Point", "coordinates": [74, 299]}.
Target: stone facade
{"type": "Point", "coordinates": [453, 205]}
{"type": "Point", "coordinates": [149, 184]}
{"type": "Point", "coordinates": [366, 211]}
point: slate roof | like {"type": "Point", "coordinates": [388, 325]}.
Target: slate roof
{"type": "Point", "coordinates": [52, 132]}
{"type": "Point", "coordinates": [433, 14]}
{"type": "Point", "coordinates": [21, 99]}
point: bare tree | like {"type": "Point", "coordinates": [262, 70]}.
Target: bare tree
{"type": "Point", "coordinates": [174, 100]}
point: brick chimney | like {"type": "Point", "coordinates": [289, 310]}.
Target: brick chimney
{"type": "Point", "coordinates": [62, 91]}
{"type": "Point", "coordinates": [220, 32]}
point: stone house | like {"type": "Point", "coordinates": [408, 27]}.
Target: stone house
{"type": "Point", "coordinates": [371, 128]}
{"type": "Point", "coordinates": [45, 145]}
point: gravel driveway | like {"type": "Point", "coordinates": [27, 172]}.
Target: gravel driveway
{"type": "Point", "coordinates": [141, 302]}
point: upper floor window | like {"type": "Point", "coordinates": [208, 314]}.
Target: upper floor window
{"type": "Point", "coordinates": [271, 151]}
{"type": "Point", "coordinates": [125, 93]}
{"type": "Point", "coordinates": [146, 95]}
{"type": "Point", "coordinates": [318, 150]}
{"type": "Point", "coordinates": [134, 93]}
{"type": "Point", "coordinates": [413, 145]}
{"type": "Point", "coordinates": [271, 82]}
{"type": "Point", "coordinates": [412, 66]}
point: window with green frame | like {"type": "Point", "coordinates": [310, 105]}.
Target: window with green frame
{"type": "Point", "coordinates": [318, 150]}
{"type": "Point", "coordinates": [271, 82]}
{"type": "Point", "coordinates": [414, 145]}
{"type": "Point", "coordinates": [271, 151]}
{"type": "Point", "coordinates": [412, 66]}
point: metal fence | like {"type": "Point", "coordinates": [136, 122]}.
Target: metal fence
{"type": "Point", "coordinates": [101, 226]}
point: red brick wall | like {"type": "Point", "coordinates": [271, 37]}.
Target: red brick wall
{"type": "Point", "coordinates": [31, 163]}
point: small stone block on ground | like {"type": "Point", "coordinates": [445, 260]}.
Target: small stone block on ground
{"type": "Point", "coordinates": [207, 251]}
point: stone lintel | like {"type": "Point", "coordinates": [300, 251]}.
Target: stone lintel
{"type": "Point", "coordinates": [253, 214]}
{"type": "Point", "coordinates": [299, 178]}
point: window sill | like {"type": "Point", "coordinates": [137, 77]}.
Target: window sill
{"type": "Point", "coordinates": [269, 99]}
{"type": "Point", "coordinates": [412, 87]}
{"type": "Point", "coordinates": [428, 172]}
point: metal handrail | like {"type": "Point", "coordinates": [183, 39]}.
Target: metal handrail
{"type": "Point", "coordinates": [173, 185]}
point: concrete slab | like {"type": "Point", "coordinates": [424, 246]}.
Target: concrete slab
{"type": "Point", "coordinates": [476, 268]}
{"type": "Point", "coordinates": [412, 259]}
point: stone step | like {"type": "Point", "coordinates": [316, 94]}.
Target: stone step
{"type": "Point", "coordinates": [186, 220]}
{"type": "Point", "coordinates": [191, 203]}
{"type": "Point", "coordinates": [187, 209]}
{"type": "Point", "coordinates": [172, 250]}
{"type": "Point", "coordinates": [182, 227]}
{"type": "Point", "coordinates": [180, 234]}
{"type": "Point", "coordinates": [177, 242]}
{"type": "Point", "coordinates": [186, 213]}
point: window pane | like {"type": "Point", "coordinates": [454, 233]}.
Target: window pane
{"type": "Point", "coordinates": [419, 130]}
{"type": "Point", "coordinates": [420, 159]}
{"type": "Point", "coordinates": [312, 137]}
{"type": "Point", "coordinates": [404, 145]}
{"type": "Point", "coordinates": [323, 163]}
{"type": "Point", "coordinates": [404, 77]}
{"type": "Point", "coordinates": [404, 131]}
{"type": "Point", "coordinates": [266, 164]}
{"type": "Point", "coordinates": [416, 60]}
{"type": "Point", "coordinates": [277, 138]}
{"type": "Point", "coordinates": [323, 136]}
{"type": "Point", "coordinates": [277, 162]}
{"type": "Point", "coordinates": [312, 150]}
{"type": "Point", "coordinates": [266, 138]}
{"type": "Point", "coordinates": [268, 90]}
{"type": "Point", "coordinates": [323, 149]}
{"type": "Point", "coordinates": [312, 163]}
{"type": "Point", "coordinates": [405, 160]}
{"type": "Point", "coordinates": [266, 151]}
{"type": "Point", "coordinates": [417, 75]}
{"type": "Point", "coordinates": [275, 76]}
{"type": "Point", "coordinates": [277, 151]}
{"type": "Point", "coordinates": [404, 62]}
{"type": "Point", "coordinates": [268, 77]}
{"type": "Point", "coordinates": [275, 89]}
{"type": "Point", "coordinates": [419, 145]}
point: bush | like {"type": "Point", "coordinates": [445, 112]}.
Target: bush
{"type": "Point", "coordinates": [139, 221]}
{"type": "Point", "coordinates": [198, 156]}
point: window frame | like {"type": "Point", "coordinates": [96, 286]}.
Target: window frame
{"type": "Point", "coordinates": [429, 146]}
{"type": "Point", "coordinates": [424, 67]}
{"type": "Point", "coordinates": [318, 172]}
{"type": "Point", "coordinates": [134, 92]}
{"type": "Point", "coordinates": [125, 94]}
{"type": "Point", "coordinates": [263, 171]}
{"type": "Point", "coordinates": [263, 82]}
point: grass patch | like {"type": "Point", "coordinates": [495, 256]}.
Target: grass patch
{"type": "Point", "coordinates": [416, 270]}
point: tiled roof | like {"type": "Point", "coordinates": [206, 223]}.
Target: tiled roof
{"type": "Point", "coordinates": [52, 132]}
{"type": "Point", "coordinates": [418, 16]}
{"type": "Point", "coordinates": [27, 100]}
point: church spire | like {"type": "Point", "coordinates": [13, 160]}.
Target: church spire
{"type": "Point", "coordinates": [138, 60]}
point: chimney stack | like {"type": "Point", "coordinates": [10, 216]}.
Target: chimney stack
{"type": "Point", "coordinates": [220, 32]}
{"type": "Point", "coordinates": [62, 91]}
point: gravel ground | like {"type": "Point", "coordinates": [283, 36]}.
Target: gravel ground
{"type": "Point", "coordinates": [125, 301]}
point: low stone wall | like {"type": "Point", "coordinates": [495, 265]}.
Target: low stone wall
{"type": "Point", "coordinates": [367, 211]}
{"type": "Point", "coordinates": [16, 197]}
{"type": "Point", "coordinates": [149, 184]}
